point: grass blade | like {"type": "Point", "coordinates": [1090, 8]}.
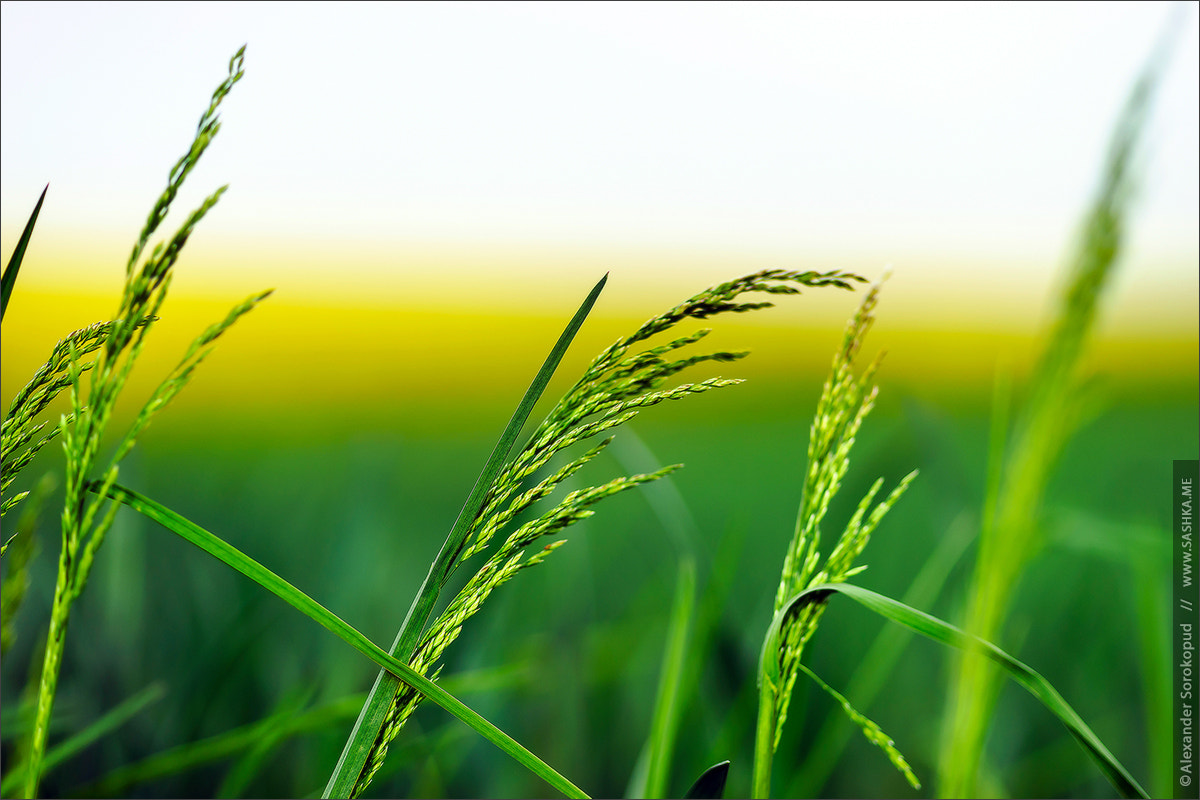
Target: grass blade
{"type": "Point", "coordinates": [875, 667]}
{"type": "Point", "coordinates": [14, 262]}
{"type": "Point", "coordinates": [271, 734]}
{"type": "Point", "coordinates": [668, 704]}
{"type": "Point", "coordinates": [1010, 538]}
{"type": "Point", "coordinates": [214, 748]}
{"type": "Point", "coordinates": [711, 783]}
{"type": "Point", "coordinates": [939, 631]}
{"type": "Point", "coordinates": [370, 722]}
{"type": "Point", "coordinates": [223, 551]}
{"type": "Point", "coordinates": [684, 631]}
{"type": "Point", "coordinates": [112, 720]}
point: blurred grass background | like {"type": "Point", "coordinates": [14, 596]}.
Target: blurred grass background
{"type": "Point", "coordinates": [341, 462]}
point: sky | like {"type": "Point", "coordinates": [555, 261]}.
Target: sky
{"type": "Point", "coordinates": [507, 154]}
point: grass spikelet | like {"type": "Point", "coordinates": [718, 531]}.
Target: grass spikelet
{"type": "Point", "coordinates": [86, 519]}
{"type": "Point", "coordinates": [1010, 535]}
{"type": "Point", "coordinates": [615, 387]}
{"type": "Point", "coordinates": [17, 437]}
{"type": "Point", "coordinates": [846, 399]}
{"type": "Point", "coordinates": [873, 732]}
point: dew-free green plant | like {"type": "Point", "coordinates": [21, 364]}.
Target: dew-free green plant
{"type": "Point", "coordinates": [86, 517]}
{"type": "Point", "coordinates": [1011, 530]}
{"type": "Point", "coordinates": [845, 402]}
{"type": "Point", "coordinates": [804, 591]}
{"type": "Point", "coordinates": [613, 390]}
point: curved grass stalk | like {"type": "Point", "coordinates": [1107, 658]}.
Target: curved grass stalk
{"type": "Point", "coordinates": [845, 402]}
{"type": "Point", "coordinates": [231, 556]}
{"type": "Point", "coordinates": [940, 631]}
{"type": "Point", "coordinates": [875, 667]}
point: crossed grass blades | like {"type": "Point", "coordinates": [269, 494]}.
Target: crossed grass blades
{"type": "Point", "coordinates": [804, 590]}
{"type": "Point", "coordinates": [86, 518]}
{"type": "Point", "coordinates": [617, 385]}
{"type": "Point", "coordinates": [612, 391]}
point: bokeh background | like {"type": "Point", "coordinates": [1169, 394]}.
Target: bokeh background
{"type": "Point", "coordinates": [432, 189]}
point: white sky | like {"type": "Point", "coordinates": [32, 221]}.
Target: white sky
{"type": "Point", "coordinates": [968, 133]}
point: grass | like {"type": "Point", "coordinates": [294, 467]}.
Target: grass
{"type": "Point", "coordinates": [117, 343]}
{"type": "Point", "coordinates": [708, 718]}
{"type": "Point", "coordinates": [1058, 403]}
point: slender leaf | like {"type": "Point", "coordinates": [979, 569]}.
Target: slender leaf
{"type": "Point", "coordinates": [877, 665]}
{"type": "Point", "coordinates": [108, 723]}
{"type": "Point", "coordinates": [940, 631]}
{"type": "Point", "coordinates": [218, 548]}
{"type": "Point", "coordinates": [711, 783]}
{"type": "Point", "coordinates": [344, 778]}
{"type": "Point", "coordinates": [271, 735]}
{"type": "Point", "coordinates": [14, 262]}
{"type": "Point", "coordinates": [214, 748]}
{"type": "Point", "coordinates": [668, 706]}
{"type": "Point", "coordinates": [678, 673]}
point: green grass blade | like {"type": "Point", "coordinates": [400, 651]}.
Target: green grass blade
{"type": "Point", "coordinates": [218, 548]}
{"type": "Point", "coordinates": [711, 783]}
{"type": "Point", "coordinates": [112, 720]}
{"type": "Point", "coordinates": [345, 776]}
{"type": "Point", "coordinates": [939, 631]}
{"type": "Point", "coordinates": [1011, 536]}
{"type": "Point", "coordinates": [677, 676]}
{"type": "Point", "coordinates": [877, 665]}
{"type": "Point", "coordinates": [271, 734]}
{"type": "Point", "coordinates": [215, 748]}
{"type": "Point", "coordinates": [14, 262]}
{"type": "Point", "coordinates": [668, 706]}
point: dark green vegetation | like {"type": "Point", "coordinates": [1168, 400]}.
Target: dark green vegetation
{"type": "Point", "coordinates": [566, 659]}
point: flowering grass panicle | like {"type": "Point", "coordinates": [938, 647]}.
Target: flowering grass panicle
{"type": "Point", "coordinates": [846, 399]}
{"type": "Point", "coordinates": [615, 388]}
{"type": "Point", "coordinates": [87, 516]}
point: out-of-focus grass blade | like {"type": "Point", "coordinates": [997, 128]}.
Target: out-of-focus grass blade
{"type": "Point", "coordinates": [712, 783]}
{"type": "Point", "coordinates": [112, 720]}
{"type": "Point", "coordinates": [272, 733]}
{"type": "Point", "coordinates": [667, 706]}
{"type": "Point", "coordinates": [653, 769]}
{"type": "Point", "coordinates": [223, 551]}
{"type": "Point", "coordinates": [1145, 552]}
{"type": "Point", "coordinates": [223, 745]}
{"type": "Point", "coordinates": [366, 729]}
{"type": "Point", "coordinates": [939, 631]}
{"type": "Point", "coordinates": [14, 262]}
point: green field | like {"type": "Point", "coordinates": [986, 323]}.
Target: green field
{"type": "Point", "coordinates": [566, 659]}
